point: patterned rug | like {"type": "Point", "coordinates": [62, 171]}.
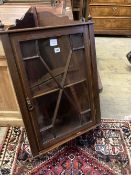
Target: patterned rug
{"type": "Point", "coordinates": [3, 132]}
{"type": "Point", "coordinates": [102, 151]}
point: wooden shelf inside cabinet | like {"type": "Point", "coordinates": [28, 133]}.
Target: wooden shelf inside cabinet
{"type": "Point", "coordinates": [40, 93]}
{"type": "Point", "coordinates": [54, 72]}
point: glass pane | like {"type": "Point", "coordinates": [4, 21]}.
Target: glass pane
{"type": "Point", "coordinates": [55, 51]}
{"type": "Point", "coordinates": [45, 107]}
{"type": "Point", "coordinates": [68, 117]}
{"type": "Point", "coordinates": [77, 68]}
{"type": "Point", "coordinates": [28, 48]}
{"type": "Point", "coordinates": [77, 40]}
{"type": "Point", "coordinates": [80, 96]}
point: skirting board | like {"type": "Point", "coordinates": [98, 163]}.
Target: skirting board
{"type": "Point", "coordinates": [10, 118]}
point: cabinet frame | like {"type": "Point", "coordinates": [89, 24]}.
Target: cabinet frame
{"type": "Point", "coordinates": [10, 42]}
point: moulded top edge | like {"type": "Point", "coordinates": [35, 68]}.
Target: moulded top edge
{"type": "Point", "coordinates": [46, 27]}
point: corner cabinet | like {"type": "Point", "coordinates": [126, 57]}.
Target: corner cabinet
{"type": "Point", "coordinates": [55, 78]}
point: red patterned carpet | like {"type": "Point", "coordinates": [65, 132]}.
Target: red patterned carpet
{"type": "Point", "coordinates": [103, 151]}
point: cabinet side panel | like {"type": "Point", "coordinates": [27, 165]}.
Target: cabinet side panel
{"type": "Point", "coordinates": [9, 109]}
{"type": "Point", "coordinates": [94, 72]}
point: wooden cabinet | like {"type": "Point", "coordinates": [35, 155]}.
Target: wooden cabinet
{"type": "Point", "coordinates": [55, 78]}
{"type": "Point", "coordinates": [9, 109]}
{"type": "Point", "coordinates": [111, 16]}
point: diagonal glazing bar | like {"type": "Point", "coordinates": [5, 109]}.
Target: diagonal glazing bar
{"type": "Point", "coordinates": [78, 48]}
{"type": "Point", "coordinates": [62, 84]}
{"type": "Point", "coordinates": [46, 78]}
{"type": "Point", "coordinates": [71, 101]}
{"type": "Point", "coordinates": [46, 66]}
{"type": "Point", "coordinates": [31, 58]}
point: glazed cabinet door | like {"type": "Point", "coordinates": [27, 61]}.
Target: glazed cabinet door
{"type": "Point", "coordinates": [54, 66]}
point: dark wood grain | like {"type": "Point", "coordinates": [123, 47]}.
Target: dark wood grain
{"type": "Point", "coordinates": [19, 91]}
{"type": "Point", "coordinates": [57, 91]}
